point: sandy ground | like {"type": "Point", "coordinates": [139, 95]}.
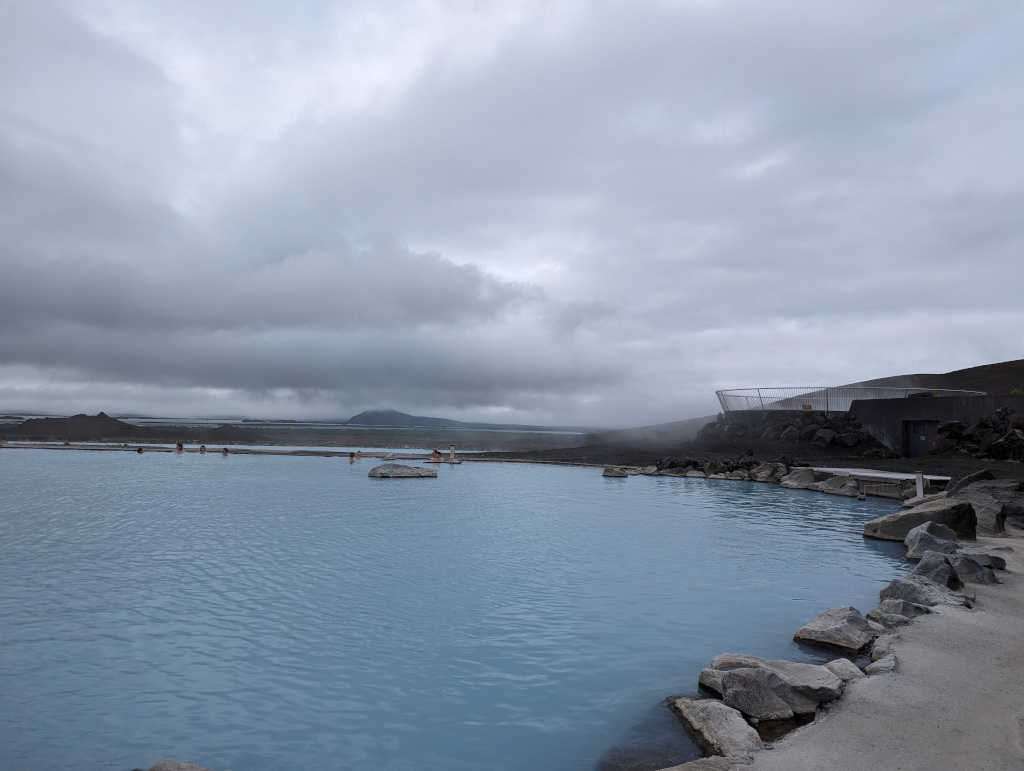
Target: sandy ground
{"type": "Point", "coordinates": [956, 700]}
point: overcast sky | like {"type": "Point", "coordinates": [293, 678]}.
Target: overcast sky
{"type": "Point", "coordinates": [525, 211]}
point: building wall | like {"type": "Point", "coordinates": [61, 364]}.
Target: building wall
{"type": "Point", "coordinates": [886, 418]}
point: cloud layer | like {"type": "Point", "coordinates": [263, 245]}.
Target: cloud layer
{"type": "Point", "coordinates": [589, 212]}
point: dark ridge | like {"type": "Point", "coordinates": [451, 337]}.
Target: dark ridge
{"type": "Point", "coordinates": [78, 428]}
{"type": "Point", "coordinates": [103, 428]}
{"type": "Point", "coordinates": [399, 420]}
{"type": "Point", "coordinates": [1001, 378]}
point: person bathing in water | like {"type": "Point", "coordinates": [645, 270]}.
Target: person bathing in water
{"type": "Point", "coordinates": [435, 455]}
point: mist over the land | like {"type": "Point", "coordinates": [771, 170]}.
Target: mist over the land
{"type": "Point", "coordinates": [589, 213]}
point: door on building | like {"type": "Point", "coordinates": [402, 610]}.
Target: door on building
{"type": "Point", "coordinates": [917, 434]}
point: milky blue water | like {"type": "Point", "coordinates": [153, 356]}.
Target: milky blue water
{"type": "Point", "coordinates": [256, 613]}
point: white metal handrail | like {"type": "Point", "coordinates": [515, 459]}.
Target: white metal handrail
{"type": "Point", "coordinates": [820, 398]}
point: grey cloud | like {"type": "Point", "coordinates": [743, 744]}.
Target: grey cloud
{"type": "Point", "coordinates": [605, 218]}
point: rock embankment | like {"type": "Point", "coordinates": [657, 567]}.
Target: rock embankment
{"type": "Point", "coordinates": [996, 437]}
{"type": "Point", "coordinates": [758, 698]}
{"type": "Point", "coordinates": [819, 429]}
{"type": "Point", "coordinates": [994, 504]}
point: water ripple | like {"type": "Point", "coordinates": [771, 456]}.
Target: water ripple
{"type": "Point", "coordinates": [273, 612]}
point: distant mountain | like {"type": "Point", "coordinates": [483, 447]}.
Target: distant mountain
{"type": "Point", "coordinates": [103, 428]}
{"type": "Point", "coordinates": [1001, 378]}
{"type": "Point", "coordinates": [77, 428]}
{"type": "Point", "coordinates": [396, 419]}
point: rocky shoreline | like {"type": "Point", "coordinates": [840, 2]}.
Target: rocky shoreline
{"type": "Point", "coordinates": [758, 701]}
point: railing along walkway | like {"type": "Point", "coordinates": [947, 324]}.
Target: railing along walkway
{"type": "Point", "coordinates": [820, 398]}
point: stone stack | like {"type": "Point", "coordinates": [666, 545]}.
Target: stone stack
{"type": "Point", "coordinates": [999, 437]}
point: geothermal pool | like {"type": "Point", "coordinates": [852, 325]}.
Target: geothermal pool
{"type": "Point", "coordinates": [255, 613]}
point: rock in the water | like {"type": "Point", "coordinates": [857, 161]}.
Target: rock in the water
{"type": "Point", "coordinates": [813, 681]}
{"type": "Point", "coordinates": [921, 591]}
{"type": "Point", "coordinates": [842, 628]}
{"type": "Point", "coordinates": [613, 471]}
{"type": "Point", "coordinates": [398, 471]}
{"type": "Point", "coordinates": [844, 669]}
{"type": "Point", "coordinates": [768, 472]}
{"type": "Point", "coordinates": [798, 479]}
{"type": "Point", "coordinates": [883, 665]}
{"type": "Point", "coordinates": [711, 680]}
{"type": "Point", "coordinates": [718, 729]}
{"type": "Point", "coordinates": [899, 607]}
{"type": "Point", "coordinates": [742, 689]}
{"type": "Point", "coordinates": [696, 474]}
{"type": "Point", "coordinates": [173, 765]}
{"type": "Point", "coordinates": [838, 485]}
{"type": "Point", "coordinates": [957, 515]}
{"type": "Point", "coordinates": [937, 567]}
{"type": "Point", "coordinates": [987, 560]}
{"type": "Point", "coordinates": [970, 571]}
{"type": "Point", "coordinates": [734, 660]}
{"type": "Point", "coordinates": [918, 542]}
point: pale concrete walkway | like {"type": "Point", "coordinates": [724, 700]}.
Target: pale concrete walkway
{"type": "Point", "coordinates": [871, 474]}
{"type": "Point", "coordinates": [955, 702]}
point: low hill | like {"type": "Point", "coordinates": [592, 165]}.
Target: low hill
{"type": "Point", "coordinates": [78, 428]}
{"type": "Point", "coordinates": [103, 428]}
{"type": "Point", "coordinates": [1001, 378]}
{"type": "Point", "coordinates": [394, 418]}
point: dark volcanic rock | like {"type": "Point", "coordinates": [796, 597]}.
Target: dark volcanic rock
{"type": "Point", "coordinates": [978, 476]}
{"type": "Point", "coordinates": [717, 728]}
{"type": "Point", "coordinates": [743, 689]}
{"type": "Point", "coordinates": [899, 607]}
{"type": "Point", "coordinates": [936, 529]}
{"type": "Point", "coordinates": [842, 628]}
{"type": "Point", "coordinates": [918, 542]}
{"type": "Point", "coordinates": [970, 571]}
{"type": "Point", "coordinates": [957, 515]}
{"type": "Point", "coordinates": [921, 591]}
{"type": "Point", "coordinates": [937, 567]}
{"type": "Point", "coordinates": [824, 437]}
{"type": "Point", "coordinates": [940, 444]}
{"type": "Point", "coordinates": [791, 434]}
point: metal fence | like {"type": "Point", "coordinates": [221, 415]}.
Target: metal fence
{"type": "Point", "coordinates": [820, 398]}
